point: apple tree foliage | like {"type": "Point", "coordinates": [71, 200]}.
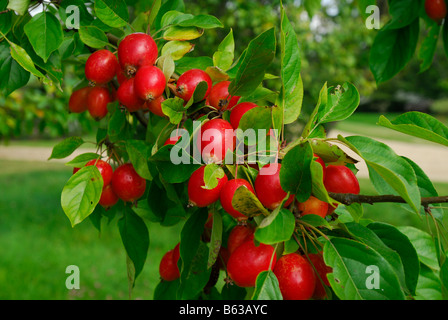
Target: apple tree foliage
{"type": "Point", "coordinates": [411, 262]}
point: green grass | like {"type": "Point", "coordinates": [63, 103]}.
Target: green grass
{"type": "Point", "coordinates": [38, 242]}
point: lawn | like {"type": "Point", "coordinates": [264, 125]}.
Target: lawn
{"type": "Point", "coordinates": [38, 242]}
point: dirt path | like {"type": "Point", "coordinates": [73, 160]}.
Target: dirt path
{"type": "Point", "coordinates": [431, 157]}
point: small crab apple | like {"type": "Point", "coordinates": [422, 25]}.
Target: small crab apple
{"type": "Point", "coordinates": [149, 83]}
{"type": "Point", "coordinates": [313, 206]}
{"type": "Point", "coordinates": [248, 261]}
{"type": "Point", "coordinates": [219, 96]}
{"type": "Point", "coordinates": [340, 179]}
{"type": "Point", "coordinates": [127, 184]}
{"type": "Point", "coordinates": [97, 101]}
{"type": "Point", "coordinates": [320, 270]}
{"type": "Point", "coordinates": [227, 193]}
{"type": "Point", "coordinates": [78, 100]}
{"type": "Point", "coordinates": [168, 269]}
{"type": "Point", "coordinates": [127, 96]}
{"type": "Point", "coordinates": [197, 194]}
{"type": "Point", "coordinates": [238, 111]}
{"type": "Point", "coordinates": [135, 51]}
{"type": "Point", "coordinates": [436, 10]}
{"type": "Point", "coordinates": [268, 188]}
{"type": "Point", "coordinates": [155, 106]}
{"type": "Point", "coordinates": [296, 277]}
{"type": "Point", "coordinates": [121, 76]}
{"type": "Point", "coordinates": [172, 140]}
{"type": "Point", "coordinates": [108, 197]}
{"type": "Point", "coordinates": [215, 138]}
{"type": "Point", "coordinates": [239, 235]}
{"type": "Point", "coordinates": [101, 67]}
{"type": "Point", "coordinates": [189, 80]}
{"type": "Point", "coordinates": [104, 168]}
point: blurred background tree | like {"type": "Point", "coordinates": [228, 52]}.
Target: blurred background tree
{"type": "Point", "coordinates": [335, 47]}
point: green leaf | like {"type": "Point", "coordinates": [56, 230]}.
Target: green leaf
{"type": "Point", "coordinates": [93, 37]}
{"type": "Point", "coordinates": [340, 104]}
{"type": "Point", "coordinates": [19, 6]}
{"type": "Point", "coordinates": [403, 13]}
{"type": "Point", "coordinates": [215, 238]}
{"type": "Point", "coordinates": [318, 187]}
{"type": "Point", "coordinates": [295, 173]}
{"type": "Point", "coordinates": [331, 153]}
{"type": "Point", "coordinates": [202, 21]}
{"type": "Point", "coordinates": [166, 290]}
{"type": "Point", "coordinates": [177, 49]}
{"type": "Point", "coordinates": [292, 86]}
{"type": "Point", "coordinates": [277, 227]}
{"type": "Point", "coordinates": [351, 276]}
{"type": "Point", "coordinates": [401, 244]}
{"type": "Point", "coordinates": [223, 57]}
{"type": "Point", "coordinates": [247, 203]}
{"type": "Point", "coordinates": [267, 287]}
{"type": "Point", "coordinates": [12, 75]}
{"type": "Point", "coordinates": [423, 244]}
{"type": "Point", "coordinates": [370, 238]}
{"type": "Point", "coordinates": [66, 147]}
{"type": "Point", "coordinates": [418, 124]}
{"type": "Point", "coordinates": [429, 286]}
{"type": "Point", "coordinates": [429, 46]}
{"type": "Point", "coordinates": [81, 160]}
{"type": "Point", "coordinates": [212, 174]}
{"type": "Point", "coordinates": [392, 49]}
{"type": "Point", "coordinates": [174, 109]}
{"type": "Point", "coordinates": [382, 161]}
{"type": "Point", "coordinates": [139, 152]}
{"type": "Point", "coordinates": [21, 56]}
{"type": "Point", "coordinates": [258, 56]}
{"type": "Point", "coordinates": [135, 237]}
{"type": "Point", "coordinates": [427, 189]}
{"type": "Point", "coordinates": [81, 194]}
{"type": "Point", "coordinates": [187, 63]}
{"type": "Point", "coordinates": [114, 13]}
{"type": "Point", "coordinates": [44, 32]}
{"type": "Point", "coordinates": [312, 6]}
{"type": "Point", "coordinates": [194, 273]}
{"type": "Point", "coordinates": [182, 33]}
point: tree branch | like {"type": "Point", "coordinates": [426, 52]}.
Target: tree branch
{"type": "Point", "coordinates": [348, 199]}
{"type": "Point", "coordinates": [141, 118]}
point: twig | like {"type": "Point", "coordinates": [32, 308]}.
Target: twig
{"type": "Point", "coordinates": [348, 199]}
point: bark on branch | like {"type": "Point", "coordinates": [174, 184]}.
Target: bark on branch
{"type": "Point", "coordinates": [348, 199]}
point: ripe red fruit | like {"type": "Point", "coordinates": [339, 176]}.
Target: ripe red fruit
{"type": "Point", "coordinates": [97, 101]}
{"type": "Point", "coordinates": [135, 51]}
{"type": "Point", "coordinates": [127, 96]}
{"type": "Point", "coordinates": [104, 168]}
{"type": "Point", "coordinates": [227, 193]}
{"type": "Point", "coordinates": [78, 100]}
{"type": "Point", "coordinates": [155, 106]}
{"type": "Point", "coordinates": [215, 138]}
{"type": "Point", "coordinates": [168, 268]}
{"type": "Point", "coordinates": [248, 261]}
{"type": "Point", "coordinates": [268, 188]}
{"type": "Point", "coordinates": [295, 276]}
{"type": "Point", "coordinates": [436, 10]}
{"type": "Point", "coordinates": [108, 197]}
{"type": "Point", "coordinates": [200, 196]}
{"type": "Point", "coordinates": [313, 206]}
{"type": "Point", "coordinates": [219, 97]}
{"type": "Point", "coordinates": [127, 184]}
{"type": "Point", "coordinates": [172, 140]}
{"type": "Point", "coordinates": [239, 235]}
{"type": "Point", "coordinates": [101, 67]}
{"type": "Point", "coordinates": [321, 276]}
{"type": "Point", "coordinates": [149, 83]}
{"type": "Point", "coordinates": [340, 179]}
{"type": "Point", "coordinates": [238, 111]}
{"type": "Point", "coordinates": [121, 76]}
{"type": "Point", "coordinates": [188, 81]}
